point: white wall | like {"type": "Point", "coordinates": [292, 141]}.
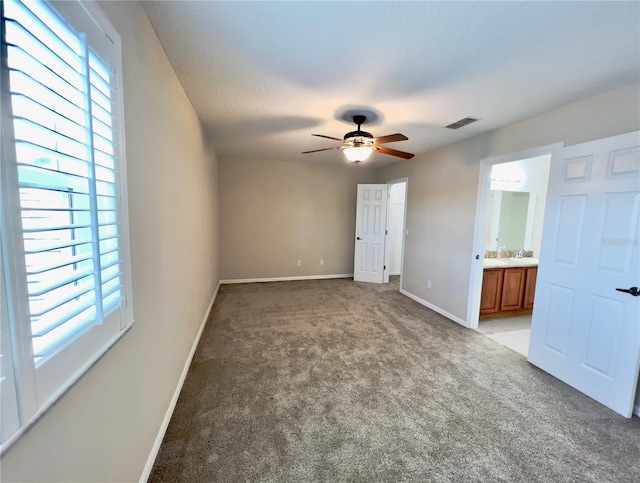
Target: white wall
{"type": "Point", "coordinates": [103, 429]}
{"type": "Point", "coordinates": [443, 189]}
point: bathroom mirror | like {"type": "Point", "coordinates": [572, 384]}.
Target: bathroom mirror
{"type": "Point", "coordinates": [510, 220]}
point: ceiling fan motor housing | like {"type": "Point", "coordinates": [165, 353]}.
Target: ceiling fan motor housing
{"type": "Point", "coordinates": [359, 120]}
{"type": "Point", "coordinates": [358, 134]}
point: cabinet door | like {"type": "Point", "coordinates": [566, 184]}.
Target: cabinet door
{"type": "Point", "coordinates": [530, 287]}
{"type": "Point", "coordinates": [491, 291]}
{"type": "Point", "coordinates": [513, 288]}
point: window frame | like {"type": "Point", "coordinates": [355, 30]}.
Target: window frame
{"type": "Point", "coordinates": [32, 397]}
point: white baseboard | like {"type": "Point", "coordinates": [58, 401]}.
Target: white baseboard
{"type": "Point", "coordinates": [286, 279]}
{"type": "Point", "coordinates": [394, 273]}
{"type": "Point", "coordinates": [434, 308]}
{"type": "Point", "coordinates": [174, 400]}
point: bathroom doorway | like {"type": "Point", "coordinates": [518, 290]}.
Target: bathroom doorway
{"type": "Point", "coordinates": [509, 232]}
{"type": "Point", "coordinates": [396, 219]}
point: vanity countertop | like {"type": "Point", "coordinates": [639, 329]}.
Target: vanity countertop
{"type": "Point", "coordinates": [510, 262]}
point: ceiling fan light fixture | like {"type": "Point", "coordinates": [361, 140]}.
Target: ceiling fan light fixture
{"type": "Point", "coordinates": [357, 145]}
{"type": "Point", "coordinates": [357, 153]}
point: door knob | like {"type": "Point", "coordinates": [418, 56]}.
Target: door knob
{"type": "Point", "coordinates": [633, 291]}
{"type": "Point", "coordinates": [358, 238]}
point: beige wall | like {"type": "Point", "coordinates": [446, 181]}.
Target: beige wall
{"type": "Point", "coordinates": [103, 429]}
{"type": "Point", "coordinates": [274, 213]}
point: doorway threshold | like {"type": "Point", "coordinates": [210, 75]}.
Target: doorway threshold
{"type": "Point", "coordinates": [511, 332]}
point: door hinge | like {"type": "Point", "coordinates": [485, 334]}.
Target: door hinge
{"type": "Point", "coordinates": [385, 267]}
{"type": "Point", "coordinates": [386, 232]}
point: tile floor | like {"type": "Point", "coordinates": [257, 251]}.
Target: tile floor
{"type": "Point", "coordinates": [512, 332]}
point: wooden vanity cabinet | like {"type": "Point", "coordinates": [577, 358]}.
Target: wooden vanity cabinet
{"type": "Point", "coordinates": [507, 291]}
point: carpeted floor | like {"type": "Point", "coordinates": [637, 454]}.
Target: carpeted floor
{"type": "Point", "coordinates": [331, 380]}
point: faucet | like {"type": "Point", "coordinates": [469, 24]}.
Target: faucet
{"type": "Point", "coordinates": [520, 253]}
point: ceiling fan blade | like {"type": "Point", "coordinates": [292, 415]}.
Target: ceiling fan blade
{"type": "Point", "coordinates": [323, 149]}
{"type": "Point", "coordinates": [393, 152]}
{"type": "Point", "coordinates": [391, 138]}
{"type": "Point", "coordinates": [327, 137]}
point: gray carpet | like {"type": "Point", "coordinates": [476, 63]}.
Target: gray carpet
{"type": "Point", "coordinates": [332, 380]}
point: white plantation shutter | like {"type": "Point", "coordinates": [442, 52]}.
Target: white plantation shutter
{"type": "Point", "coordinates": [71, 231]}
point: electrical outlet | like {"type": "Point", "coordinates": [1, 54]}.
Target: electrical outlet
{"type": "Point", "coordinates": [321, 261]}
{"type": "Point", "coordinates": [428, 283]}
{"type": "Point", "coordinates": [299, 263]}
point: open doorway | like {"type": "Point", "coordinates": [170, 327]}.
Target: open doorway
{"type": "Point", "coordinates": [396, 217]}
{"type": "Point", "coordinates": [509, 235]}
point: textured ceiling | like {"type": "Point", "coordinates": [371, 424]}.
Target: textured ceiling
{"type": "Point", "coordinates": [264, 76]}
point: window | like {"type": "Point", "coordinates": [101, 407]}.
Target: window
{"type": "Point", "coordinates": [65, 285]}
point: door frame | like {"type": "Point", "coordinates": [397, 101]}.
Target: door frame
{"type": "Point", "coordinates": [478, 249]}
{"type": "Point", "coordinates": [387, 251]}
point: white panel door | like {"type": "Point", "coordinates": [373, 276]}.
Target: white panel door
{"type": "Point", "coordinates": [584, 331]}
{"type": "Point", "coordinates": [371, 221]}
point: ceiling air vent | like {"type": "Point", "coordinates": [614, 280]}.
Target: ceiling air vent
{"type": "Point", "coordinates": [461, 123]}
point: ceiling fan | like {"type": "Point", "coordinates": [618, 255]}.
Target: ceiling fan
{"type": "Point", "coordinates": [358, 145]}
